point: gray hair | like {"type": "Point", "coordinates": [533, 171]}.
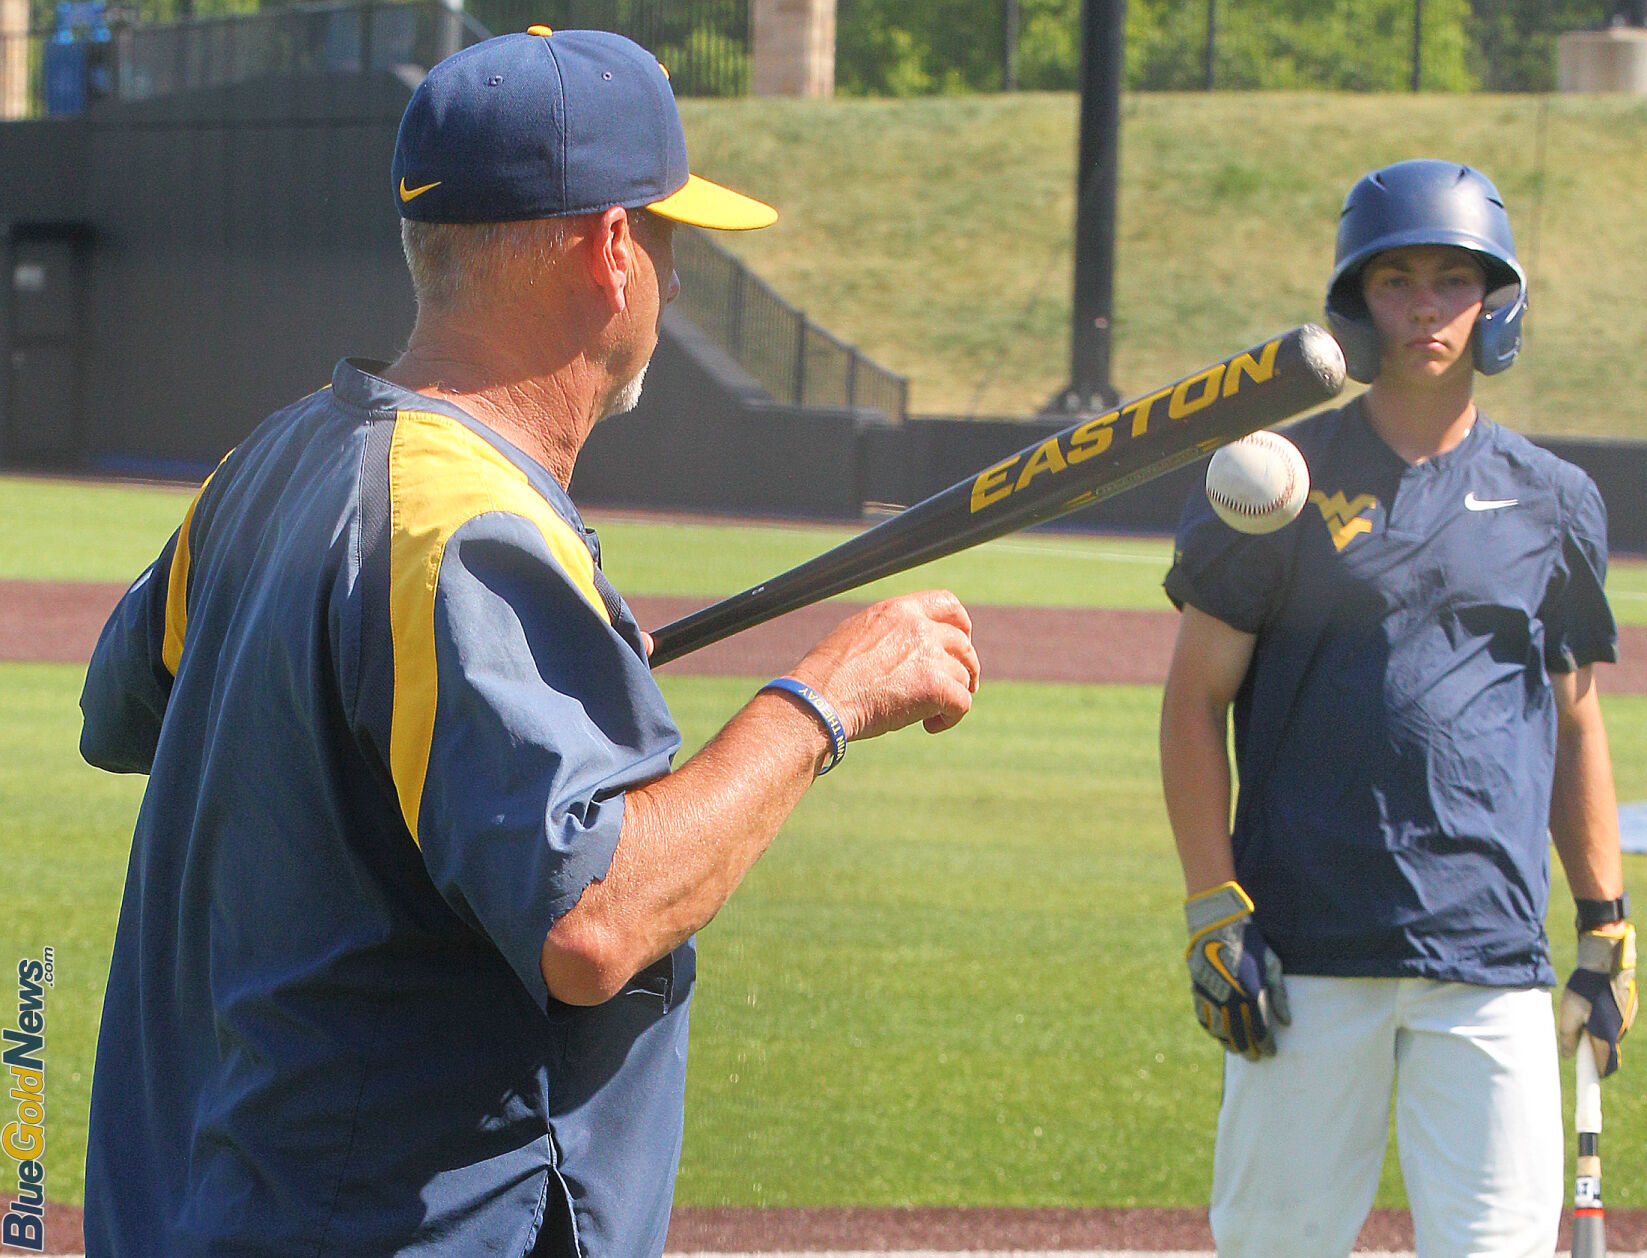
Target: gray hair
{"type": "Point", "coordinates": [453, 263]}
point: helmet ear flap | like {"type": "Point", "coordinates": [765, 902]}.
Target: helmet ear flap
{"type": "Point", "coordinates": [1359, 341]}
{"type": "Point", "coordinates": [1497, 338]}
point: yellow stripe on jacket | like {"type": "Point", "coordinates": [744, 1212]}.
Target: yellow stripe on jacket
{"type": "Point", "coordinates": [441, 476]}
{"type": "Point", "coordinates": [177, 591]}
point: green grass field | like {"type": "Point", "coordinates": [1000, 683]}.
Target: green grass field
{"type": "Point", "coordinates": [936, 233]}
{"type": "Point", "coordinates": [61, 531]}
{"type": "Point", "coordinates": [956, 978]}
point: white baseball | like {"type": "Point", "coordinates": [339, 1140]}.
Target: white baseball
{"type": "Point", "coordinates": [1259, 483]}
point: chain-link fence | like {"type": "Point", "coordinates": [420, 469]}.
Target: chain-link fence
{"type": "Point", "coordinates": [42, 75]}
{"type": "Point", "coordinates": [304, 39]}
{"type": "Point", "coordinates": [913, 47]}
{"type": "Point", "coordinates": [703, 43]}
{"type": "Point", "coordinates": [792, 358]}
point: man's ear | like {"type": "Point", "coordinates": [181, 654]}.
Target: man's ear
{"type": "Point", "coordinates": [610, 257]}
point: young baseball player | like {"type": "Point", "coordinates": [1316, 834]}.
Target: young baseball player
{"type": "Point", "coordinates": [1410, 668]}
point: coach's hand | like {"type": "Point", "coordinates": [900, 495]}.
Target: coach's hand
{"type": "Point", "coordinates": [904, 660]}
{"type": "Point", "coordinates": [1600, 996]}
{"type": "Point", "coordinates": [1239, 992]}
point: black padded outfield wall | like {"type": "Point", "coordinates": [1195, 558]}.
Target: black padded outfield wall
{"type": "Point", "coordinates": [230, 245]}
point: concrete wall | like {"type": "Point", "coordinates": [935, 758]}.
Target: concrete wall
{"type": "Point", "coordinates": [14, 58]}
{"type": "Point", "coordinates": [792, 47]}
{"type": "Point", "coordinates": [1610, 60]}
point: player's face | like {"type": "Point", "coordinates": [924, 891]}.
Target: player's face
{"type": "Point", "coordinates": [1424, 301]}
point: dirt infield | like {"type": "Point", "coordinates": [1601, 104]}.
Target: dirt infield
{"type": "Point", "coordinates": [789, 1230]}
{"type": "Point", "coordinates": [51, 621]}
{"type": "Point", "coordinates": [59, 621]}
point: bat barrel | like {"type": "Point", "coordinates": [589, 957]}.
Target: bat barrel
{"type": "Point", "coordinates": [1085, 463]}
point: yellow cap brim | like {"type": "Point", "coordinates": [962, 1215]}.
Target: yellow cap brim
{"type": "Point", "coordinates": [704, 203]}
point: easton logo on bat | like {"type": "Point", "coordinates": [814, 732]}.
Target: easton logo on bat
{"type": "Point", "coordinates": [1092, 438]}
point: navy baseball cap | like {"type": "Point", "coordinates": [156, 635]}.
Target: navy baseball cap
{"type": "Point", "coordinates": [548, 124]}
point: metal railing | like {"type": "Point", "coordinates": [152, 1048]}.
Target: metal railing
{"type": "Point", "coordinates": [791, 357]}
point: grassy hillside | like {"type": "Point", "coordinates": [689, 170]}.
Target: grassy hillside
{"type": "Point", "coordinates": [936, 233]}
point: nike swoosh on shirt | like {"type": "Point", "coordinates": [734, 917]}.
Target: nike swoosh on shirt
{"type": "Point", "coordinates": [1472, 503]}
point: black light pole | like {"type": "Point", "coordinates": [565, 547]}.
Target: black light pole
{"type": "Point", "coordinates": [1009, 51]}
{"type": "Point", "coordinates": [1418, 35]}
{"type": "Point", "coordinates": [1209, 50]}
{"type": "Point", "coordinates": [1103, 32]}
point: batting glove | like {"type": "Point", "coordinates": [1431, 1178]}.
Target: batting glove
{"type": "Point", "coordinates": [1600, 996]}
{"type": "Point", "coordinates": [1239, 992]}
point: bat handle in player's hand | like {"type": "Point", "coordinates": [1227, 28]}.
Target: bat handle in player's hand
{"type": "Point", "coordinates": [1589, 1217]}
{"type": "Point", "coordinates": [904, 660]}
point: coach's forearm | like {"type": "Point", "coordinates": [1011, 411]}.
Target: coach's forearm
{"type": "Point", "coordinates": [687, 841]}
{"type": "Point", "coordinates": [1583, 800]}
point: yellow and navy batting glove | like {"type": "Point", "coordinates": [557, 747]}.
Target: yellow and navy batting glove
{"type": "Point", "coordinates": [1239, 992]}
{"type": "Point", "coordinates": [1600, 996]}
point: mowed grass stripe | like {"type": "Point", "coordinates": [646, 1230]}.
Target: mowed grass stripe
{"type": "Point", "coordinates": [69, 531]}
{"type": "Point", "coordinates": [956, 978]}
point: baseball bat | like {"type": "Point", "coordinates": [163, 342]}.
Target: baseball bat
{"type": "Point", "coordinates": [1589, 1222]}
{"type": "Point", "coordinates": [1085, 463]}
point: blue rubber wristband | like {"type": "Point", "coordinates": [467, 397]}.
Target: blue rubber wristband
{"type": "Point", "coordinates": [825, 712]}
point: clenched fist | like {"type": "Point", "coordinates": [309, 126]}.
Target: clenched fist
{"type": "Point", "coordinates": [904, 660]}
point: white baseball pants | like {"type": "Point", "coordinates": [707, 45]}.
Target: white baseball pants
{"type": "Point", "coordinates": [1477, 1096]}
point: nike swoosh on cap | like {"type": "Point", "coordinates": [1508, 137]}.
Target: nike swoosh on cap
{"type": "Point", "coordinates": [1472, 503]}
{"type": "Point", "coordinates": [409, 194]}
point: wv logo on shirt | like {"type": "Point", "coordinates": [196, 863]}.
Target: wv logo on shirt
{"type": "Point", "coordinates": [1343, 517]}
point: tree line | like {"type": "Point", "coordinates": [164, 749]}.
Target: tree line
{"type": "Point", "coordinates": [923, 47]}
{"type": "Point", "coordinates": [914, 47]}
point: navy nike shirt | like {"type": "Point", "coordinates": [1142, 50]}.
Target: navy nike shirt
{"type": "Point", "coordinates": [1395, 733]}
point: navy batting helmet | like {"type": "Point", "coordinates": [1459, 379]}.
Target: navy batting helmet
{"type": "Point", "coordinates": [1426, 203]}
